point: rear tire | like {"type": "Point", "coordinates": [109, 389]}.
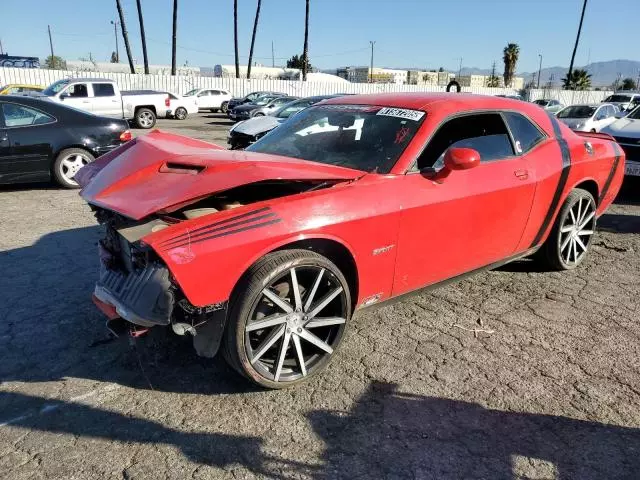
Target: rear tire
{"type": "Point", "coordinates": [181, 113]}
{"type": "Point", "coordinates": [572, 233]}
{"type": "Point", "coordinates": [67, 164]}
{"type": "Point", "coordinates": [145, 118]}
{"type": "Point", "coordinates": [304, 333]}
{"type": "Point", "coordinates": [224, 107]}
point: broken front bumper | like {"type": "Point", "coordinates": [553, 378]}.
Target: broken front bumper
{"type": "Point", "coordinates": [143, 297]}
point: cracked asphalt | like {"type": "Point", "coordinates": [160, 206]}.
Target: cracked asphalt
{"type": "Point", "coordinates": [550, 390]}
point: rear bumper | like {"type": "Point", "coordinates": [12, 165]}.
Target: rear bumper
{"type": "Point", "coordinates": [143, 297]}
{"type": "Point", "coordinates": [632, 168]}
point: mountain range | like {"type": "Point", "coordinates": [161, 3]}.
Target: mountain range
{"type": "Point", "coordinates": [602, 73]}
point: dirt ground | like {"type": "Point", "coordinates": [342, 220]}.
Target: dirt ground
{"type": "Point", "coordinates": [552, 391]}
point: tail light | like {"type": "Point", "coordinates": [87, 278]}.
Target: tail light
{"type": "Point", "coordinates": [167, 102]}
{"type": "Point", "coordinates": [126, 136]}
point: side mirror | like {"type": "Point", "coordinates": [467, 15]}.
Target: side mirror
{"type": "Point", "coordinates": [457, 159]}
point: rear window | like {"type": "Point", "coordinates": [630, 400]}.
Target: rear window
{"type": "Point", "coordinates": [103, 90]}
{"type": "Point", "coordinates": [618, 98]}
{"type": "Point", "coordinates": [577, 111]}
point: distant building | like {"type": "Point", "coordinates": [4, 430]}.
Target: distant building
{"type": "Point", "coordinates": [257, 72]}
{"type": "Point", "coordinates": [377, 75]}
{"type": "Point", "coordinates": [473, 80]}
{"type": "Point", "coordinates": [107, 67]}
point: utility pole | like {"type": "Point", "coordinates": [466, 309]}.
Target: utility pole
{"type": "Point", "coordinates": [539, 69]}
{"type": "Point", "coordinates": [273, 58]}
{"type": "Point", "coordinates": [50, 43]}
{"type": "Point", "coordinates": [372, 42]}
{"type": "Point", "coordinates": [459, 70]}
{"type": "Point", "coordinates": [575, 47]}
{"type": "Point", "coordinates": [1, 50]}
{"type": "Point", "coordinates": [115, 33]}
{"type": "Point", "coordinates": [143, 38]}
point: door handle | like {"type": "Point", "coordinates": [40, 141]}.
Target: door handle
{"type": "Point", "coordinates": [521, 174]}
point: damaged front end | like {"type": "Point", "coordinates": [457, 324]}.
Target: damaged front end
{"type": "Point", "coordinates": [136, 286]}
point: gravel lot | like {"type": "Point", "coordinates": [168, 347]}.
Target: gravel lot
{"type": "Point", "coordinates": [551, 391]}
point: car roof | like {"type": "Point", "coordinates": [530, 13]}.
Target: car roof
{"type": "Point", "coordinates": [21, 85]}
{"type": "Point", "coordinates": [87, 79]}
{"type": "Point", "coordinates": [424, 101]}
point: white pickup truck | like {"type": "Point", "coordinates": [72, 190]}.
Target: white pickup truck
{"type": "Point", "coordinates": [102, 96]}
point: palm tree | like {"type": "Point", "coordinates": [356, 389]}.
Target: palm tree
{"type": "Point", "coordinates": [143, 37]}
{"type": "Point", "coordinates": [235, 35]}
{"type": "Point", "coordinates": [125, 36]}
{"type": "Point", "coordinates": [253, 38]}
{"type": "Point", "coordinates": [511, 53]}
{"type": "Point", "coordinates": [305, 50]}
{"type": "Point", "coordinates": [580, 80]}
{"type": "Point", "coordinates": [173, 38]}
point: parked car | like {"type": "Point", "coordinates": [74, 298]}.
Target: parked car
{"type": "Point", "coordinates": [270, 102]}
{"type": "Point", "coordinates": [623, 100]}
{"type": "Point", "coordinates": [269, 251]}
{"type": "Point", "coordinates": [588, 118]}
{"type": "Point", "coordinates": [244, 133]}
{"type": "Point", "coordinates": [512, 97]}
{"type": "Point", "coordinates": [550, 105]}
{"type": "Point", "coordinates": [626, 131]}
{"type": "Point", "coordinates": [181, 107]}
{"type": "Point", "coordinates": [102, 96]}
{"type": "Point", "coordinates": [253, 96]}
{"type": "Point", "coordinates": [271, 106]}
{"type": "Point", "coordinates": [19, 88]}
{"type": "Point", "coordinates": [213, 99]}
{"type": "Point", "coordinates": [41, 140]}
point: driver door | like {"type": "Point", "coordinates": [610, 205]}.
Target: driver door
{"type": "Point", "coordinates": [474, 217]}
{"type": "Point", "coordinates": [77, 95]}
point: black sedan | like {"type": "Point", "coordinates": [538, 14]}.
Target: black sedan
{"type": "Point", "coordinates": [41, 140]}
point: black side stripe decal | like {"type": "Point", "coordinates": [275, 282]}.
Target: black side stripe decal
{"type": "Point", "coordinates": [229, 232]}
{"type": "Point", "coordinates": [221, 222]}
{"type": "Point", "coordinates": [612, 173]}
{"type": "Point", "coordinates": [562, 182]}
{"type": "Point", "coordinates": [191, 237]}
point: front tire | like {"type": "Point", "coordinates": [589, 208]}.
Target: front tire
{"type": "Point", "coordinates": [67, 164]}
{"type": "Point", "coordinates": [224, 107]}
{"type": "Point", "coordinates": [572, 233]}
{"type": "Point", "coordinates": [145, 118]}
{"type": "Point", "coordinates": [287, 317]}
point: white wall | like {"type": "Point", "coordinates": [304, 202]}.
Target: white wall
{"type": "Point", "coordinates": [570, 97]}
{"type": "Point", "coordinates": [238, 87]}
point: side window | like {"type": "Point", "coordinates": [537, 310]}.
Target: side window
{"type": "Point", "coordinates": [103, 90]}
{"type": "Point", "coordinates": [601, 114]}
{"type": "Point", "coordinates": [215, 92]}
{"type": "Point", "coordinates": [204, 93]}
{"type": "Point", "coordinates": [20, 116]}
{"type": "Point", "coordinates": [486, 133]}
{"type": "Point", "coordinates": [525, 134]}
{"type": "Point", "coordinates": [77, 90]}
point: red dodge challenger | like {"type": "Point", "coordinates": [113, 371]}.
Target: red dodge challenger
{"type": "Point", "coordinates": [268, 252]}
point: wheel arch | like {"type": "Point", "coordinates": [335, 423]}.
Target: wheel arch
{"type": "Point", "coordinates": [336, 250]}
{"type": "Point", "coordinates": [60, 149]}
{"type": "Point", "coordinates": [590, 185]}
{"type": "Point", "coordinates": [150, 107]}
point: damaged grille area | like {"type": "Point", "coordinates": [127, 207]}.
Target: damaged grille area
{"type": "Point", "coordinates": [132, 278]}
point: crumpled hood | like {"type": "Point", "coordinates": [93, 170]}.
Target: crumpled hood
{"type": "Point", "coordinates": [627, 127]}
{"type": "Point", "coordinates": [160, 170]}
{"type": "Point", "coordinates": [257, 125]}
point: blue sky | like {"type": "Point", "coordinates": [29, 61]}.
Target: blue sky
{"type": "Point", "coordinates": [418, 33]}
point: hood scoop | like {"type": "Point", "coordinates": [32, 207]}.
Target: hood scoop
{"type": "Point", "coordinates": [163, 172]}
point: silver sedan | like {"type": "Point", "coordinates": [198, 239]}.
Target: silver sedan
{"type": "Point", "coordinates": [272, 106]}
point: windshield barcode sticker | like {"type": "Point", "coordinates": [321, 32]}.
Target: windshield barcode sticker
{"type": "Point", "coordinates": [414, 115]}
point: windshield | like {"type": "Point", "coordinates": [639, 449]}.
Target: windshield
{"type": "Point", "coordinates": [618, 98]}
{"type": "Point", "coordinates": [191, 93]}
{"type": "Point", "coordinates": [263, 100]}
{"type": "Point", "coordinates": [544, 103]}
{"type": "Point", "coordinates": [364, 137]}
{"type": "Point", "coordinates": [55, 87]}
{"type": "Point", "coordinates": [635, 114]}
{"type": "Point", "coordinates": [291, 108]}
{"type": "Point", "coordinates": [577, 111]}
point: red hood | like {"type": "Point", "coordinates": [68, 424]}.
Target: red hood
{"type": "Point", "coordinates": [159, 170]}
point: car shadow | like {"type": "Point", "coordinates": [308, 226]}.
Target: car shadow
{"type": "Point", "coordinates": [619, 223]}
{"type": "Point", "coordinates": [221, 122]}
{"type": "Point", "coordinates": [390, 434]}
{"type": "Point", "coordinates": [386, 434]}
{"type": "Point", "coordinates": [50, 328]}
{"type": "Point", "coordinates": [629, 192]}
